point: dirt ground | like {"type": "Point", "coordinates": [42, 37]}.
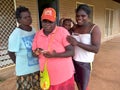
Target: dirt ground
{"type": "Point", "coordinates": [105, 74]}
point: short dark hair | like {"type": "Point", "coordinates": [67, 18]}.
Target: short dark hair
{"type": "Point", "coordinates": [84, 7]}
{"type": "Point", "coordinates": [19, 10]}
{"type": "Point", "coordinates": [67, 19]}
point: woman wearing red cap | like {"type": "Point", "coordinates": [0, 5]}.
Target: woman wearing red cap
{"type": "Point", "coordinates": [50, 44]}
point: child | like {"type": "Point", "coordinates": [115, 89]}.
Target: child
{"type": "Point", "coordinates": [67, 23]}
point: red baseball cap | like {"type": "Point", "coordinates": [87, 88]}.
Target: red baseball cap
{"type": "Point", "coordinates": [49, 14]}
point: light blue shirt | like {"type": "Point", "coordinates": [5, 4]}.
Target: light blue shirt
{"type": "Point", "coordinates": [20, 42]}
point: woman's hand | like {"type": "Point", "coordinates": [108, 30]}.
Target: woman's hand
{"type": "Point", "coordinates": [72, 40]}
{"type": "Point", "coordinates": [37, 51]}
{"type": "Point", "coordinates": [50, 54]}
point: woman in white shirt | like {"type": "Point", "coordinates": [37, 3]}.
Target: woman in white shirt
{"type": "Point", "coordinates": [86, 40]}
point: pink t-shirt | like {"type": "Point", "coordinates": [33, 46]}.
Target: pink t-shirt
{"type": "Point", "coordinates": [60, 69]}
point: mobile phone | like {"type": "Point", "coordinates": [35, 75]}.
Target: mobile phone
{"type": "Point", "coordinates": [44, 51]}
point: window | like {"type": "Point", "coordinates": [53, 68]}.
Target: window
{"type": "Point", "coordinates": [119, 20]}
{"type": "Point", "coordinates": [108, 22]}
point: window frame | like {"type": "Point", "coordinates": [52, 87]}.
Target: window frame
{"type": "Point", "coordinates": [109, 23]}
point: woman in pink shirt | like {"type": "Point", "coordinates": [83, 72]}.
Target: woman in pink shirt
{"type": "Point", "coordinates": [50, 44]}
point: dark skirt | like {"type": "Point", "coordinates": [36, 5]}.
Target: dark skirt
{"type": "Point", "coordinates": [29, 81]}
{"type": "Point", "coordinates": [82, 73]}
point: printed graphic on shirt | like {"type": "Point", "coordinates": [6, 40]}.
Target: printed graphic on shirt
{"type": "Point", "coordinates": [28, 44]}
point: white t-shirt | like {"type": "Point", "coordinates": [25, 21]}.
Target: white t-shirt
{"type": "Point", "coordinates": [20, 42]}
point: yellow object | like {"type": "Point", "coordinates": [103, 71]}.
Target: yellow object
{"type": "Point", "coordinates": [44, 79]}
{"type": "Point", "coordinates": [44, 75]}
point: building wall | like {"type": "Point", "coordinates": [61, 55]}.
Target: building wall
{"type": "Point", "coordinates": [33, 7]}
{"type": "Point", "coordinates": [67, 10]}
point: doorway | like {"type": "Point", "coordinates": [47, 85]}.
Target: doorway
{"type": "Point", "coordinates": [45, 4]}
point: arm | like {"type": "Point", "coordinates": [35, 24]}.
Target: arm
{"type": "Point", "coordinates": [12, 56]}
{"type": "Point", "coordinates": [69, 52]}
{"type": "Point", "coordinates": [95, 41]}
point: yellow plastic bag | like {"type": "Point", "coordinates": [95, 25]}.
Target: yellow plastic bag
{"type": "Point", "coordinates": [44, 79]}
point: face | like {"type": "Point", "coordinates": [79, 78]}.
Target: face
{"type": "Point", "coordinates": [81, 17]}
{"type": "Point", "coordinates": [48, 26]}
{"type": "Point", "coordinates": [25, 18]}
{"type": "Point", "coordinates": [67, 25]}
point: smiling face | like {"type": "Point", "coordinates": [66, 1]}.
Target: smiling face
{"type": "Point", "coordinates": [81, 17]}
